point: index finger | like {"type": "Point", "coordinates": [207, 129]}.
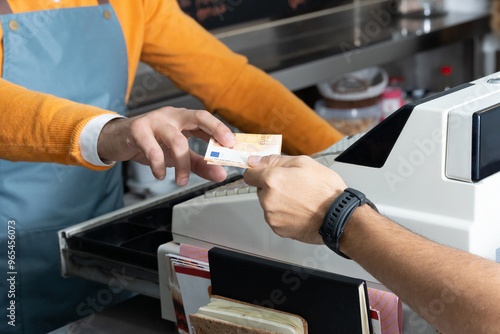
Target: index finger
{"type": "Point", "coordinates": [256, 176]}
{"type": "Point", "coordinates": [203, 120]}
{"type": "Point", "coordinates": [263, 167]}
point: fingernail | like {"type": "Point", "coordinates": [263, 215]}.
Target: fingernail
{"type": "Point", "coordinates": [229, 137]}
{"type": "Point", "coordinates": [183, 182]}
{"type": "Point", "coordinates": [254, 160]}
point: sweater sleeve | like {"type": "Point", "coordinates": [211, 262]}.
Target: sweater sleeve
{"type": "Point", "coordinates": [38, 127]}
{"type": "Point", "coordinates": [248, 98]}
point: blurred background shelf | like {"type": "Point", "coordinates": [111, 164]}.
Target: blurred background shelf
{"type": "Point", "coordinates": [303, 50]}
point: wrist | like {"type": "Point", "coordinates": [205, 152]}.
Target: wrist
{"type": "Point", "coordinates": [88, 140]}
{"type": "Point", "coordinates": [354, 231]}
{"type": "Point", "coordinates": [107, 132]}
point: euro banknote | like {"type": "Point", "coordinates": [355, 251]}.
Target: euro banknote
{"type": "Point", "coordinates": [247, 144]}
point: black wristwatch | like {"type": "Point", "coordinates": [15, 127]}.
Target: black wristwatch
{"type": "Point", "coordinates": [337, 216]}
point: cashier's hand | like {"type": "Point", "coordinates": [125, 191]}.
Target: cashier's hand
{"type": "Point", "coordinates": [295, 193]}
{"type": "Point", "coordinates": [159, 139]}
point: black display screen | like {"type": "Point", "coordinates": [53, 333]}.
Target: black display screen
{"type": "Point", "coordinates": [373, 149]}
{"type": "Point", "coordinates": [220, 13]}
{"type": "Point", "coordinates": [485, 143]}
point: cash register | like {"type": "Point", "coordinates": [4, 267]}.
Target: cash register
{"type": "Point", "coordinates": [432, 166]}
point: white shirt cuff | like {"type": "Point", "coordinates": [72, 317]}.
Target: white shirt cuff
{"type": "Point", "coordinates": [89, 136]}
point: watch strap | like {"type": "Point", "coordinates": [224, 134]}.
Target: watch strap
{"type": "Point", "coordinates": [338, 215]}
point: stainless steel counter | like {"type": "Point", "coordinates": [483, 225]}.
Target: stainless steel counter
{"type": "Point", "coordinates": [303, 50]}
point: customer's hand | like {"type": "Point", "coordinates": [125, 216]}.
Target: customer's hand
{"type": "Point", "coordinates": [295, 193]}
{"type": "Point", "coordinates": [159, 139]}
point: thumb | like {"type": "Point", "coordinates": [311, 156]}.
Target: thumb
{"type": "Point", "coordinates": [273, 160]}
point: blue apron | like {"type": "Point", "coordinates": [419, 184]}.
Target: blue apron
{"type": "Point", "coordinates": [78, 54]}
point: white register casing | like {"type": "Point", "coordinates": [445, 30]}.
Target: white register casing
{"type": "Point", "coordinates": [431, 167]}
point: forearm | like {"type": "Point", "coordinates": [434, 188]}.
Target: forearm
{"type": "Point", "coordinates": [243, 95]}
{"type": "Point", "coordinates": [455, 291]}
{"type": "Point", "coordinates": [41, 128]}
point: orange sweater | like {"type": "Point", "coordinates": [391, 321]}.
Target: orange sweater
{"type": "Point", "coordinates": [43, 128]}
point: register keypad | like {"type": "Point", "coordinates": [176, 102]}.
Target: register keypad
{"type": "Point", "coordinates": [230, 189]}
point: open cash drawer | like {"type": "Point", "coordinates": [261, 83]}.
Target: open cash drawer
{"type": "Point", "coordinates": [121, 246]}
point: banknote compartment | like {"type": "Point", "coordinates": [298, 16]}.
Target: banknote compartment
{"type": "Point", "coordinates": [147, 245]}
{"type": "Point", "coordinates": [127, 240]}
{"type": "Point", "coordinates": [159, 218]}
{"type": "Point", "coordinates": [133, 239]}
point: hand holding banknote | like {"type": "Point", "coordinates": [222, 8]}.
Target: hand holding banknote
{"type": "Point", "coordinates": [159, 139]}
{"type": "Point", "coordinates": [295, 193]}
{"type": "Point", "coordinates": [246, 145]}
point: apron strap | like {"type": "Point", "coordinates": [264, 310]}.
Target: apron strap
{"type": "Point", "coordinates": [103, 2]}
{"type": "Point", "coordinates": [5, 7]}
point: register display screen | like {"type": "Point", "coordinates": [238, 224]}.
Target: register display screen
{"type": "Point", "coordinates": [485, 143]}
